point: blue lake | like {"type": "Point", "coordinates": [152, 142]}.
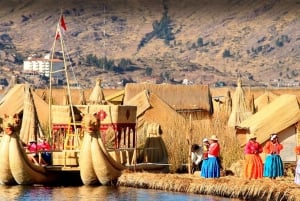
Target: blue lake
{"type": "Point", "coordinates": [90, 193]}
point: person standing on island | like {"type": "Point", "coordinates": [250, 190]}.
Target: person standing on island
{"type": "Point", "coordinates": [273, 164]}
{"type": "Point", "coordinates": [253, 163]}
{"type": "Point", "coordinates": [196, 157]}
{"type": "Point", "coordinates": [297, 170]}
{"type": "Point", "coordinates": [211, 166]}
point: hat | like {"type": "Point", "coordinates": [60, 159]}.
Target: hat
{"type": "Point", "coordinates": [273, 136]}
{"type": "Point", "coordinates": [214, 137]}
{"type": "Point", "coordinates": [252, 136]}
{"type": "Point", "coordinates": [205, 140]}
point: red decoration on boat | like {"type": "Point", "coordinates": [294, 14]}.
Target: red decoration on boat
{"type": "Point", "coordinates": [101, 115]}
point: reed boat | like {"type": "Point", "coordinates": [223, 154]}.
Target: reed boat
{"type": "Point", "coordinates": [90, 143]}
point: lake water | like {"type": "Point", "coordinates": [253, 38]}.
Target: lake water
{"type": "Point", "coordinates": [91, 193]}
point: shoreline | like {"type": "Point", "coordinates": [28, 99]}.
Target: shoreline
{"type": "Point", "coordinates": [228, 186]}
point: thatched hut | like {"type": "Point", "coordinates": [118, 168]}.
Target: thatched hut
{"type": "Point", "coordinates": [151, 109]}
{"type": "Point", "coordinates": [191, 101]}
{"type": "Point", "coordinates": [281, 116]}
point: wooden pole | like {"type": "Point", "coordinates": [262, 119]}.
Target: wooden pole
{"type": "Point", "coordinates": [50, 81]}
{"type": "Point", "coordinates": [189, 139]}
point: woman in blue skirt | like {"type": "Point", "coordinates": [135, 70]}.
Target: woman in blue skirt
{"type": "Point", "coordinates": [211, 165]}
{"type": "Point", "coordinates": [273, 164]}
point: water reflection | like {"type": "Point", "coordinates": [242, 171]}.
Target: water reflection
{"type": "Point", "coordinates": [91, 193]}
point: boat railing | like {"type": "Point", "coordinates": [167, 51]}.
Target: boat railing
{"type": "Point", "coordinates": [129, 156]}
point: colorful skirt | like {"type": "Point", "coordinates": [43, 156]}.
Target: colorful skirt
{"type": "Point", "coordinates": [253, 166]}
{"type": "Point", "coordinates": [273, 166]}
{"type": "Point", "coordinates": [210, 168]}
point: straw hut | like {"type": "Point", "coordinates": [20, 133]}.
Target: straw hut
{"type": "Point", "coordinates": [13, 103]}
{"type": "Point", "coordinates": [191, 101]}
{"type": "Point", "coordinates": [264, 100]}
{"type": "Point", "coordinates": [240, 110]}
{"type": "Point", "coordinates": [152, 110]}
{"type": "Point", "coordinates": [281, 116]}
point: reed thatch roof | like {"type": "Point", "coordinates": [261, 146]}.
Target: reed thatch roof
{"type": "Point", "coordinates": [179, 97]}
{"type": "Point", "coordinates": [30, 128]}
{"type": "Point", "coordinates": [280, 114]}
{"type": "Point", "coordinates": [151, 108]}
{"type": "Point", "coordinates": [78, 95]}
{"type": "Point", "coordinates": [264, 99]}
{"type": "Point", "coordinates": [13, 102]}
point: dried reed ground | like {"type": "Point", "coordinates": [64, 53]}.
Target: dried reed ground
{"type": "Point", "coordinates": [229, 186]}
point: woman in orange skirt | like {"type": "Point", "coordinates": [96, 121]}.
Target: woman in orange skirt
{"type": "Point", "coordinates": [253, 162]}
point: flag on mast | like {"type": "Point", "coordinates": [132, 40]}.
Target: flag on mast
{"type": "Point", "coordinates": [62, 23]}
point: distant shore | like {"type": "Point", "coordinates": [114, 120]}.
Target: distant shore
{"type": "Point", "coordinates": [263, 189]}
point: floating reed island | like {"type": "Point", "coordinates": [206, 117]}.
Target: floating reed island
{"type": "Point", "coordinates": [229, 186]}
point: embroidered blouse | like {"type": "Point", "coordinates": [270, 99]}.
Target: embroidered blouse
{"type": "Point", "coordinates": [272, 148]}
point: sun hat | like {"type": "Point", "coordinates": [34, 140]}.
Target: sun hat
{"type": "Point", "coordinates": [214, 137]}
{"type": "Point", "coordinates": [273, 136]}
{"type": "Point", "coordinates": [205, 140]}
{"type": "Point", "coordinates": [252, 136]}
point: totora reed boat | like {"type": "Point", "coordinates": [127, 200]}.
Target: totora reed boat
{"type": "Point", "coordinates": [89, 143]}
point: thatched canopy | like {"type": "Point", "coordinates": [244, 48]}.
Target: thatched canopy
{"type": "Point", "coordinates": [280, 114]}
{"type": "Point", "coordinates": [264, 100]}
{"type": "Point", "coordinates": [30, 128]}
{"type": "Point", "coordinates": [116, 98]}
{"type": "Point", "coordinates": [240, 110]}
{"type": "Point", "coordinates": [179, 97]}
{"type": "Point", "coordinates": [13, 102]}
{"type": "Point", "coordinates": [151, 108]}
{"type": "Point", "coordinates": [79, 96]}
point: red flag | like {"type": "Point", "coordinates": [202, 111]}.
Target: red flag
{"type": "Point", "coordinates": [57, 35]}
{"type": "Point", "coordinates": [62, 23]}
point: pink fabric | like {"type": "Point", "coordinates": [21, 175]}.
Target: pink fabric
{"type": "Point", "coordinates": [43, 146]}
{"type": "Point", "coordinates": [253, 147]}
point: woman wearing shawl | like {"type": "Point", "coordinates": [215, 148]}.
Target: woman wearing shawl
{"type": "Point", "coordinates": [211, 166]}
{"type": "Point", "coordinates": [273, 164]}
{"type": "Point", "coordinates": [253, 162]}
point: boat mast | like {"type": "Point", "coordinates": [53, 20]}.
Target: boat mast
{"type": "Point", "coordinates": [59, 36]}
{"type": "Point", "coordinates": [50, 81]}
{"type": "Point", "coordinates": [68, 83]}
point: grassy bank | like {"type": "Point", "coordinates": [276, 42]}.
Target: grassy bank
{"type": "Point", "coordinates": [231, 187]}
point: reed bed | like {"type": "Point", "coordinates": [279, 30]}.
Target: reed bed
{"type": "Point", "coordinates": [231, 187]}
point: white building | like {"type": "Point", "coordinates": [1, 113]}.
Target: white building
{"type": "Point", "coordinates": [42, 66]}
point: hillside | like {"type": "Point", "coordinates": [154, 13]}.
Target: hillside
{"type": "Point", "coordinates": [204, 41]}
